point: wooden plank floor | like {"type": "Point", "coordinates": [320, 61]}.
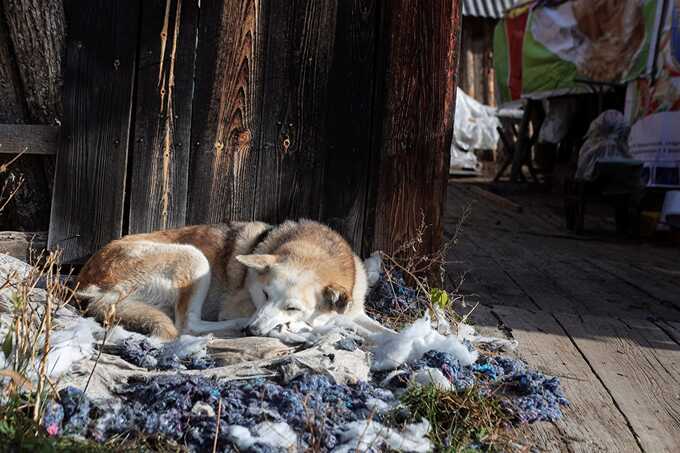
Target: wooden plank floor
{"type": "Point", "coordinates": [602, 313]}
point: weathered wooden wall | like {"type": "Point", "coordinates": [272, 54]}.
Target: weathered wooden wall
{"type": "Point", "coordinates": [338, 110]}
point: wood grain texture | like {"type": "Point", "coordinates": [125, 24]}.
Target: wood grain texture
{"type": "Point", "coordinates": [639, 365]}
{"type": "Point", "coordinates": [293, 141]}
{"type": "Point", "coordinates": [87, 208]}
{"type": "Point", "coordinates": [350, 109]}
{"type": "Point", "coordinates": [414, 123]}
{"type": "Point", "coordinates": [590, 422]}
{"type": "Point", "coordinates": [647, 281]}
{"type": "Point", "coordinates": [226, 114]}
{"type": "Point", "coordinates": [160, 150]}
{"type": "Point", "coordinates": [28, 139]}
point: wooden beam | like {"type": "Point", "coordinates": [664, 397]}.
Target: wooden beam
{"type": "Point", "coordinates": [22, 245]}
{"type": "Point", "coordinates": [28, 139]}
{"type": "Point", "coordinates": [31, 47]}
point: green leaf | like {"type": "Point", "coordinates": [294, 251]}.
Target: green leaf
{"type": "Point", "coordinates": [7, 345]}
{"type": "Point", "coordinates": [439, 297]}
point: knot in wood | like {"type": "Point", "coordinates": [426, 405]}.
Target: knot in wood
{"type": "Point", "coordinates": [244, 137]}
{"type": "Point", "coordinates": [285, 143]}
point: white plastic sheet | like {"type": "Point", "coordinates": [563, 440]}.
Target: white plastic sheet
{"type": "Point", "coordinates": [606, 140]}
{"type": "Point", "coordinates": [559, 113]}
{"type": "Point", "coordinates": [474, 127]}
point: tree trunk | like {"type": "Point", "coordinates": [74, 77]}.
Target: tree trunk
{"type": "Point", "coordinates": [31, 45]}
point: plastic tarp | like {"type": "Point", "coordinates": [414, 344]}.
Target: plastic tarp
{"type": "Point", "coordinates": [474, 127]}
{"type": "Point", "coordinates": [606, 140]}
{"type": "Point", "coordinates": [559, 113]}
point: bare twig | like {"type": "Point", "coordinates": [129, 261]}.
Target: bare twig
{"type": "Point", "coordinates": [217, 424]}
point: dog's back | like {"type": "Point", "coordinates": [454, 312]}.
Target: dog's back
{"type": "Point", "coordinates": [145, 280]}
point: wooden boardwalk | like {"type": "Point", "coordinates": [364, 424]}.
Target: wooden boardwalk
{"type": "Point", "coordinates": [602, 314]}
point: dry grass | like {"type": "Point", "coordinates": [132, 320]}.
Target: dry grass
{"type": "Point", "coordinates": [426, 273]}
{"type": "Point", "coordinates": [461, 421]}
{"type": "Point", "coordinates": [25, 386]}
{"type": "Point", "coordinates": [11, 184]}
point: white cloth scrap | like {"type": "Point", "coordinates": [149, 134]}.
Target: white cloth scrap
{"type": "Point", "coordinates": [392, 350]}
{"type": "Point", "coordinates": [366, 434]}
{"type": "Point", "coordinates": [276, 435]}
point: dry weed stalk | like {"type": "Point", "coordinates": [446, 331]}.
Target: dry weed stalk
{"type": "Point", "coordinates": [12, 183]}
{"type": "Point", "coordinates": [27, 344]}
{"type": "Point", "coordinates": [425, 272]}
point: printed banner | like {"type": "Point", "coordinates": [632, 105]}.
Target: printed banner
{"type": "Point", "coordinates": [653, 107]}
{"type": "Point", "coordinates": [598, 40]}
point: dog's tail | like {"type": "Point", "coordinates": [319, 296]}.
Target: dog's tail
{"type": "Point", "coordinates": [132, 313]}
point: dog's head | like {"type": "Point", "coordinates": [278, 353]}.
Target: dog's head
{"type": "Point", "coordinates": [286, 291]}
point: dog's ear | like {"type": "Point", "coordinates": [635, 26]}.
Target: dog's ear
{"type": "Point", "coordinates": [261, 263]}
{"type": "Point", "coordinates": [336, 297]}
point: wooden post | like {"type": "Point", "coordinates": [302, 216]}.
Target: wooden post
{"type": "Point", "coordinates": [413, 124]}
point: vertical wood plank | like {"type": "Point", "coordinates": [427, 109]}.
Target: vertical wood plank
{"type": "Point", "coordinates": [293, 142]}
{"type": "Point", "coordinates": [87, 205]}
{"type": "Point", "coordinates": [160, 151]}
{"type": "Point", "coordinates": [226, 113]}
{"type": "Point", "coordinates": [414, 125]}
{"type": "Point", "coordinates": [350, 109]}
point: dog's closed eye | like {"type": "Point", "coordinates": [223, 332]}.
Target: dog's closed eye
{"type": "Point", "coordinates": [266, 295]}
{"type": "Point", "coordinates": [292, 308]}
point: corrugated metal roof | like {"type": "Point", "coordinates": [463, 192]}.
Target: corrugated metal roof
{"type": "Point", "coordinates": [487, 8]}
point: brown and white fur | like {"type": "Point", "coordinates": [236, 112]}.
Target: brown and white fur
{"type": "Point", "coordinates": [207, 278]}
